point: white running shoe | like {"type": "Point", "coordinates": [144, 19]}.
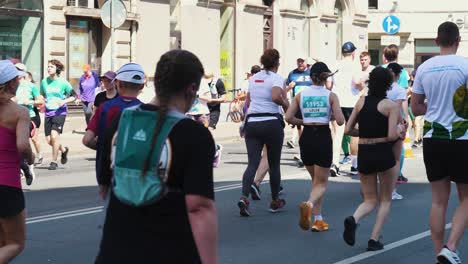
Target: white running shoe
{"type": "Point", "coordinates": [217, 158]}
{"type": "Point", "coordinates": [396, 196]}
{"type": "Point", "coordinates": [447, 256]}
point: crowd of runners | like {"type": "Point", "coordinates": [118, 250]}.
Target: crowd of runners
{"type": "Point", "coordinates": [349, 107]}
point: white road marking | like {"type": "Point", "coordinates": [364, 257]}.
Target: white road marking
{"type": "Point", "coordinates": [388, 247]}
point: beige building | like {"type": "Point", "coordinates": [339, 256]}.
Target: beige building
{"type": "Point", "coordinates": [416, 35]}
{"type": "Point", "coordinates": [229, 36]}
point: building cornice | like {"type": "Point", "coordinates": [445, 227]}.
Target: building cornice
{"type": "Point", "coordinates": [254, 8]}
{"type": "Point", "coordinates": [329, 17]}
{"type": "Point", "coordinates": [361, 20]}
{"type": "Point", "coordinates": [292, 13]}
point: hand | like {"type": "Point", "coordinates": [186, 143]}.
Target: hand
{"type": "Point", "coordinates": [103, 191]}
{"type": "Point", "coordinates": [77, 102]}
{"type": "Point", "coordinates": [292, 84]}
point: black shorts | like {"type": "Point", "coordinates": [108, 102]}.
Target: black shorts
{"type": "Point", "coordinates": [443, 158]}
{"type": "Point", "coordinates": [54, 123]}
{"type": "Point", "coordinates": [214, 118]}
{"type": "Point", "coordinates": [373, 158]}
{"type": "Point", "coordinates": [347, 112]}
{"type": "Point", "coordinates": [316, 146]}
{"type": "Point", "coordinates": [15, 198]}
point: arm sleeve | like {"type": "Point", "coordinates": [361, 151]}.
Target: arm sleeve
{"type": "Point", "coordinates": [278, 81]}
{"type": "Point", "coordinates": [220, 87]}
{"type": "Point", "coordinates": [42, 89]}
{"type": "Point", "coordinates": [402, 94]}
{"type": "Point", "coordinates": [198, 178]}
{"type": "Point", "coordinates": [67, 88]}
{"type": "Point", "coordinates": [104, 173]}
{"type": "Point", "coordinates": [34, 91]}
{"type": "Point", "coordinates": [404, 79]}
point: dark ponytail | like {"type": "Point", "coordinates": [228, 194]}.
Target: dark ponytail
{"type": "Point", "coordinates": [175, 70]}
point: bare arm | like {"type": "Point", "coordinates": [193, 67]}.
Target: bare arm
{"type": "Point", "coordinates": [292, 110]}
{"type": "Point", "coordinates": [247, 100]}
{"type": "Point", "coordinates": [404, 104]}
{"type": "Point", "coordinates": [336, 109]}
{"type": "Point", "coordinates": [221, 99]}
{"type": "Point", "coordinates": [418, 105]}
{"type": "Point", "coordinates": [351, 124]}
{"type": "Point", "coordinates": [22, 135]}
{"type": "Point", "coordinates": [89, 139]}
{"type": "Point", "coordinates": [204, 223]}
{"type": "Point", "coordinates": [394, 119]}
{"type": "Point", "coordinates": [277, 96]}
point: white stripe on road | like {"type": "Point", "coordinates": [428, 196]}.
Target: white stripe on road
{"type": "Point", "coordinates": [388, 247]}
{"type": "Point", "coordinates": [63, 216]}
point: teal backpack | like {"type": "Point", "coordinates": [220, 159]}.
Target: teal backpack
{"type": "Point", "coordinates": [132, 146]}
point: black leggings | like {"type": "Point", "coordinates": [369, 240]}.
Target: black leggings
{"type": "Point", "coordinates": [257, 134]}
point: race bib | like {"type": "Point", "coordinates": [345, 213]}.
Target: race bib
{"type": "Point", "coordinates": [314, 106]}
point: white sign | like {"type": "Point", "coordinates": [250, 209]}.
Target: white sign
{"type": "Point", "coordinates": [388, 40]}
{"type": "Point", "coordinates": [113, 13]}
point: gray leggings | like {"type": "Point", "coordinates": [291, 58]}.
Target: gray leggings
{"type": "Point", "coordinates": [257, 134]}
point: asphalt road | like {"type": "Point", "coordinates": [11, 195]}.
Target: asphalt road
{"type": "Point", "coordinates": [64, 217]}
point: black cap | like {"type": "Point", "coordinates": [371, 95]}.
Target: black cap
{"type": "Point", "coordinates": [348, 47]}
{"type": "Point", "coordinates": [319, 68]}
{"type": "Point", "coordinates": [255, 69]}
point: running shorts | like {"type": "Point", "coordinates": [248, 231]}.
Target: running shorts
{"type": "Point", "coordinates": [443, 158]}
{"type": "Point", "coordinates": [347, 112]}
{"type": "Point", "coordinates": [316, 146]}
{"type": "Point", "coordinates": [374, 158]}
{"type": "Point", "coordinates": [54, 123]}
{"type": "Point", "coordinates": [15, 198]}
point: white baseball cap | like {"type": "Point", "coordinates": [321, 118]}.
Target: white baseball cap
{"type": "Point", "coordinates": [8, 71]}
{"type": "Point", "coordinates": [132, 73]}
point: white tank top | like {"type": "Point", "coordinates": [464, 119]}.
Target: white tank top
{"type": "Point", "coordinates": [315, 104]}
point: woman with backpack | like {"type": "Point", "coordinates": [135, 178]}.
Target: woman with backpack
{"type": "Point", "coordinates": [179, 223]}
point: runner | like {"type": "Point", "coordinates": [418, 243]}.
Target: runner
{"type": "Point", "coordinates": [379, 127]}
{"type": "Point", "coordinates": [390, 55]}
{"type": "Point", "coordinates": [316, 105]}
{"type": "Point", "coordinates": [14, 146]}
{"type": "Point", "coordinates": [199, 111]}
{"type": "Point", "coordinates": [88, 85]}
{"type": "Point", "coordinates": [264, 126]}
{"type": "Point", "coordinates": [129, 81]}
{"type": "Point", "coordinates": [298, 79]}
{"type": "Point", "coordinates": [443, 81]}
{"type": "Point", "coordinates": [57, 93]}
{"type": "Point", "coordinates": [28, 96]}
{"type": "Point", "coordinates": [109, 87]}
{"type": "Point", "coordinates": [347, 85]}
{"type": "Point", "coordinates": [182, 226]}
{"type": "Point", "coordinates": [218, 96]}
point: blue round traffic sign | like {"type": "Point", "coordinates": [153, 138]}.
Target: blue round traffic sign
{"type": "Point", "coordinates": [391, 24]}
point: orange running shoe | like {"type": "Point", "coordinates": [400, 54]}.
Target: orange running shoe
{"type": "Point", "coordinates": [319, 226]}
{"type": "Point", "coordinates": [306, 212]}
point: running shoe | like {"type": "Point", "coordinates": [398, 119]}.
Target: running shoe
{"type": "Point", "coordinates": [396, 196]}
{"type": "Point", "coordinates": [29, 174]}
{"type": "Point", "coordinates": [290, 144]}
{"type": "Point", "coordinates": [39, 160]}
{"type": "Point", "coordinates": [305, 212]}
{"type": "Point", "coordinates": [53, 166]}
{"type": "Point", "coordinates": [354, 171]}
{"type": "Point", "coordinates": [255, 192]}
{"type": "Point", "coordinates": [217, 158]}
{"type": "Point", "coordinates": [320, 226]}
{"type": "Point", "coordinates": [349, 234]}
{"type": "Point", "coordinates": [276, 205]}
{"type": "Point", "coordinates": [345, 160]}
{"type": "Point", "coordinates": [243, 205]}
{"type": "Point", "coordinates": [402, 179]}
{"type": "Point", "coordinates": [334, 171]}
{"type": "Point", "coordinates": [447, 256]}
{"type": "Point", "coordinates": [64, 158]}
{"type": "Point", "coordinates": [373, 245]}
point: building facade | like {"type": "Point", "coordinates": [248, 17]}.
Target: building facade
{"type": "Point", "coordinates": [417, 31]}
{"type": "Point", "coordinates": [229, 36]}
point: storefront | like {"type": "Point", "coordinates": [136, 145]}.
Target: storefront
{"type": "Point", "coordinates": [21, 34]}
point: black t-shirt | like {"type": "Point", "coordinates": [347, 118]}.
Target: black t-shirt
{"type": "Point", "coordinates": [161, 232]}
{"type": "Point", "coordinates": [221, 89]}
{"type": "Point", "coordinates": [101, 98]}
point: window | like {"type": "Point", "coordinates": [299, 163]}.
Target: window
{"type": "Point", "coordinates": [81, 3]}
{"type": "Point", "coordinates": [373, 4]}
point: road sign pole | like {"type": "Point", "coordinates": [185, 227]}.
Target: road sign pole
{"type": "Point", "coordinates": [112, 36]}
